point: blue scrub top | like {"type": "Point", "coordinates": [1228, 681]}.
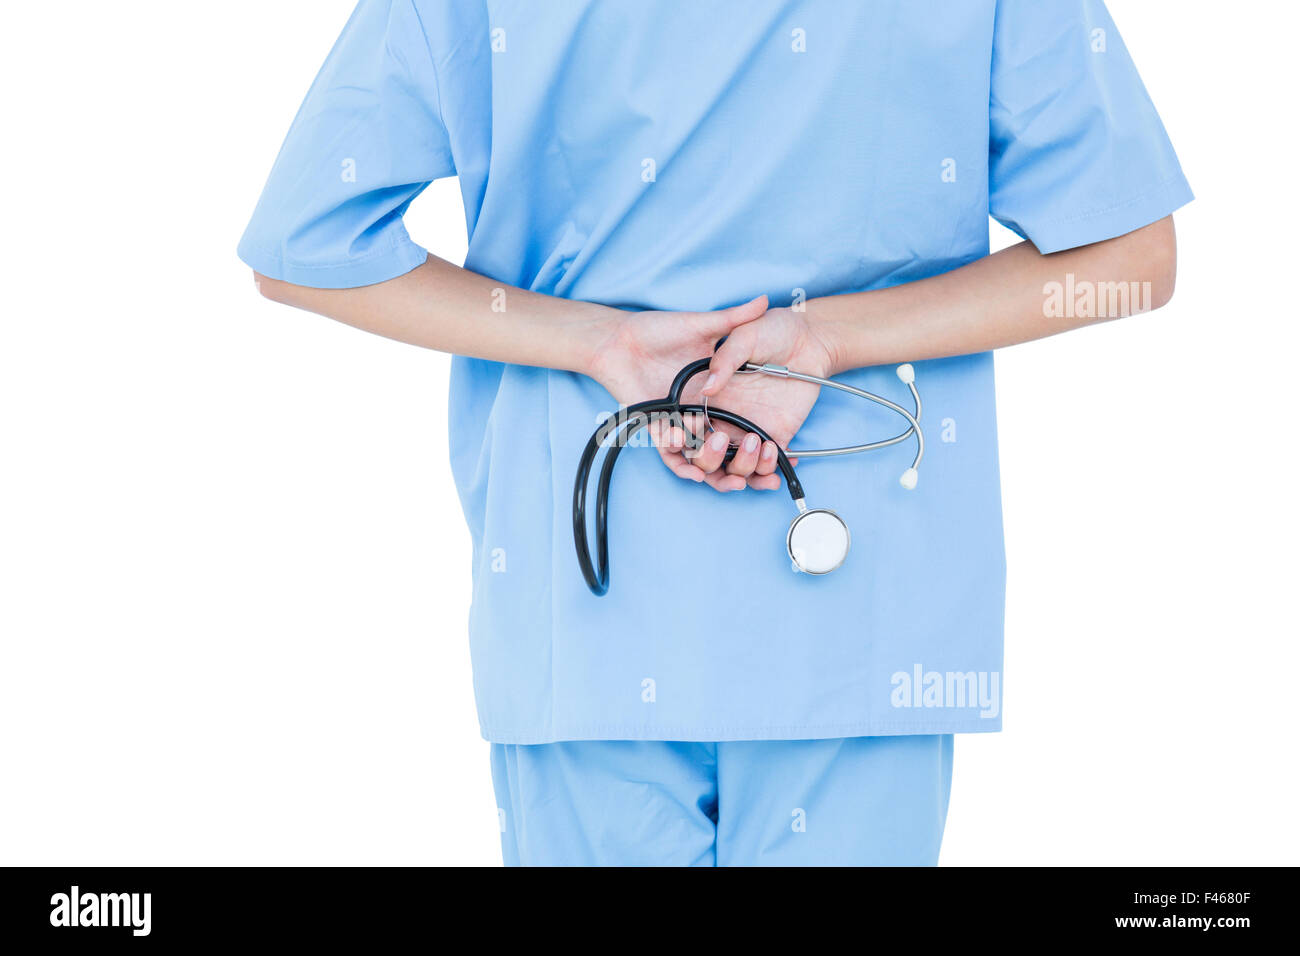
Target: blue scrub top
{"type": "Point", "coordinates": [674, 155]}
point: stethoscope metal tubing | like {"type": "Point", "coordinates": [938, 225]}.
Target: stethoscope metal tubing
{"type": "Point", "coordinates": [913, 418]}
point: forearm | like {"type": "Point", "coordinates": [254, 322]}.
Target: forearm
{"type": "Point", "coordinates": [997, 301]}
{"type": "Point", "coordinates": [444, 307]}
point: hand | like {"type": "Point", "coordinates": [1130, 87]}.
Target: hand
{"type": "Point", "coordinates": [646, 349]}
{"type": "Point", "coordinates": [780, 405]}
{"type": "Point", "coordinates": [642, 353]}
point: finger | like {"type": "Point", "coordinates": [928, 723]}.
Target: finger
{"type": "Point", "coordinates": [677, 463]}
{"type": "Point", "coordinates": [709, 457]}
{"type": "Point", "coordinates": [746, 459]}
{"type": "Point", "coordinates": [669, 441]}
{"type": "Point", "coordinates": [764, 477]}
{"type": "Point", "coordinates": [766, 459]}
{"type": "Point", "coordinates": [666, 436]}
{"type": "Point", "coordinates": [721, 481]}
{"type": "Point", "coordinates": [727, 319]}
{"type": "Point", "coordinates": [682, 468]}
{"type": "Point", "coordinates": [732, 354]}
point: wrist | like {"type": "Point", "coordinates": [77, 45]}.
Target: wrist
{"type": "Point", "coordinates": [860, 329]}
{"type": "Point", "coordinates": [596, 329]}
{"type": "Point", "coordinates": [827, 323]}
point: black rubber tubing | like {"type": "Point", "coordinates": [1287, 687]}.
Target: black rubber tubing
{"type": "Point", "coordinates": [631, 420]}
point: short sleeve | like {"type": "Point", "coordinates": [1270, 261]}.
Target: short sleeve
{"type": "Point", "coordinates": [1077, 152]}
{"type": "Point", "coordinates": [368, 139]}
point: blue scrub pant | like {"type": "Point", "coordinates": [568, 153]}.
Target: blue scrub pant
{"type": "Point", "coordinates": [853, 801]}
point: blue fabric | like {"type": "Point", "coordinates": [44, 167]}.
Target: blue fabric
{"type": "Point", "coordinates": [692, 156]}
{"type": "Point", "coordinates": [857, 801]}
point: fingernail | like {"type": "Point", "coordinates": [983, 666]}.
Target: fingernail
{"type": "Point", "coordinates": [718, 442]}
{"type": "Point", "coordinates": [769, 451]}
{"type": "Point", "coordinates": [751, 442]}
{"type": "Point", "coordinates": [709, 382]}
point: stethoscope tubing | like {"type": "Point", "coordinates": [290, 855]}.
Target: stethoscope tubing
{"type": "Point", "coordinates": [630, 421]}
{"type": "Point", "coordinates": [618, 428]}
{"type": "Point", "coordinates": [913, 418]}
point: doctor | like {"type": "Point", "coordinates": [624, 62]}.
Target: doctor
{"type": "Point", "coordinates": [813, 180]}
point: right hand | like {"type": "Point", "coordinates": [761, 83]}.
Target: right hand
{"type": "Point", "coordinates": [637, 362]}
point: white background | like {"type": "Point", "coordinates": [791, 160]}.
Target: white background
{"type": "Point", "coordinates": [234, 575]}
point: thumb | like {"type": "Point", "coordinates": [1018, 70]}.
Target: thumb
{"type": "Point", "coordinates": [728, 319]}
{"type": "Point", "coordinates": [729, 356]}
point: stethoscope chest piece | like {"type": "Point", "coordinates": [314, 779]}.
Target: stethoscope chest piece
{"type": "Point", "coordinates": [818, 541]}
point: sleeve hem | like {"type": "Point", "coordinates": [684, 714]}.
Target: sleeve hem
{"type": "Point", "coordinates": [1102, 224]}
{"type": "Point", "coordinates": [391, 263]}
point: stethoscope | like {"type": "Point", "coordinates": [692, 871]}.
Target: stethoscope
{"type": "Point", "coordinates": [818, 539]}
